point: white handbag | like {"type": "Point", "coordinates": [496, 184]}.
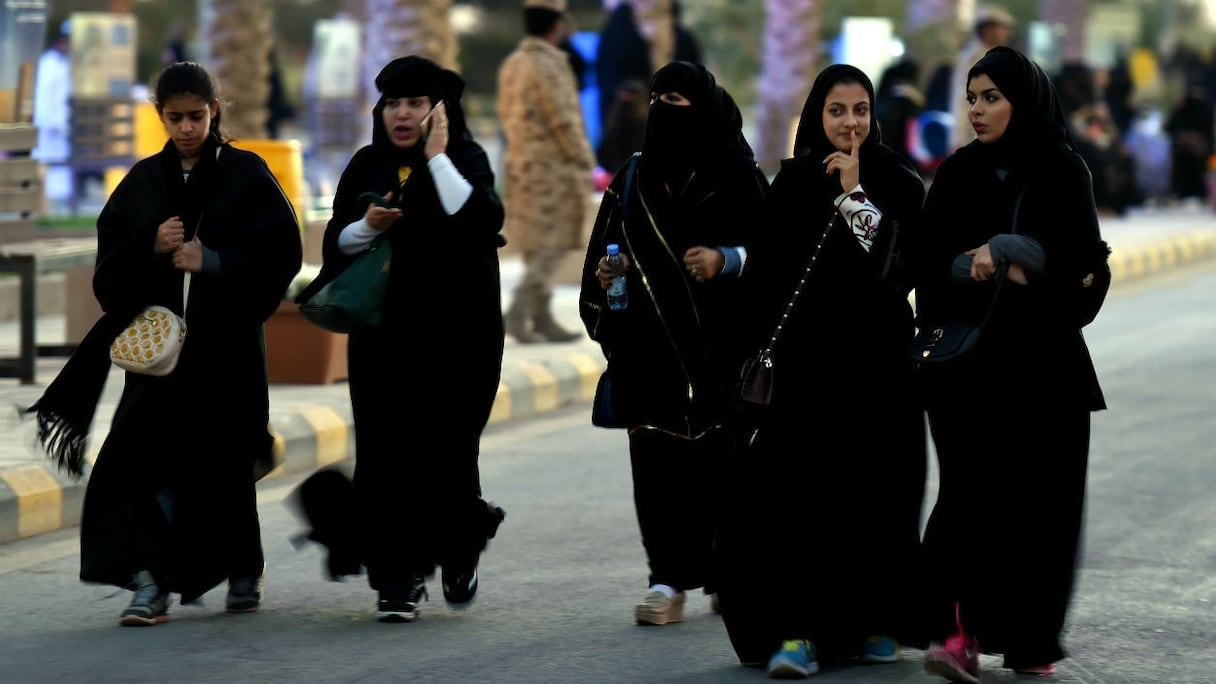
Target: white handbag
{"type": "Point", "coordinates": [152, 342]}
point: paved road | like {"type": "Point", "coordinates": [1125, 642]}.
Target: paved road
{"type": "Point", "coordinates": [567, 565]}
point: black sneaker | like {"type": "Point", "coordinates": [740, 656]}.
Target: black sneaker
{"type": "Point", "coordinates": [149, 606]}
{"type": "Point", "coordinates": [245, 593]}
{"type": "Point", "coordinates": [460, 585]}
{"type": "Point", "coordinates": [393, 607]}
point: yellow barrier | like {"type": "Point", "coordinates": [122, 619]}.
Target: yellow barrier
{"type": "Point", "coordinates": [150, 133]}
{"type": "Point", "coordinates": [286, 161]}
{"type": "Point", "coordinates": [284, 157]}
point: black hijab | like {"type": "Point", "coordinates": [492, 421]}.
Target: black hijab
{"type": "Point", "coordinates": [810, 138]}
{"type": "Point", "coordinates": [703, 136]}
{"type": "Point", "coordinates": [1037, 123]}
{"type": "Point", "coordinates": [882, 169]}
{"type": "Point", "coordinates": [414, 76]}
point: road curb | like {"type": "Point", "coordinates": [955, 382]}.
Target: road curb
{"type": "Point", "coordinates": [35, 498]}
{"type": "Point", "coordinates": [1135, 261]}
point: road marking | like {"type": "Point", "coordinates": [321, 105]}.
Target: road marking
{"type": "Point", "coordinates": [33, 552]}
{"type": "Point", "coordinates": [42, 553]}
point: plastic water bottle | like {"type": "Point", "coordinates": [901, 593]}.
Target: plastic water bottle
{"type": "Point", "coordinates": [618, 296]}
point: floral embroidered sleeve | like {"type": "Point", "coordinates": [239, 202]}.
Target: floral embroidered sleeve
{"type": "Point", "coordinates": [861, 215]}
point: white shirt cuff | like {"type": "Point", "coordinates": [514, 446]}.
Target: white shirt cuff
{"type": "Point", "coordinates": [355, 237]}
{"type": "Point", "coordinates": [861, 215]}
{"type": "Point", "coordinates": [454, 190]}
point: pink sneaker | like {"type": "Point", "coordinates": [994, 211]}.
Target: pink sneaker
{"type": "Point", "coordinates": [959, 659]}
{"type": "Point", "coordinates": [1037, 671]}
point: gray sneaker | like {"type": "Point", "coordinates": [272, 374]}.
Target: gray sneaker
{"type": "Point", "coordinates": [245, 593]}
{"type": "Point", "coordinates": [149, 606]}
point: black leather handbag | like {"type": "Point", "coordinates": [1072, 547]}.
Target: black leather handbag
{"type": "Point", "coordinates": [948, 341]}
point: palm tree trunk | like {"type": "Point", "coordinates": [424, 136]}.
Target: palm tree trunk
{"type": "Point", "coordinates": [239, 39]}
{"type": "Point", "coordinates": [396, 28]}
{"type": "Point", "coordinates": [788, 63]}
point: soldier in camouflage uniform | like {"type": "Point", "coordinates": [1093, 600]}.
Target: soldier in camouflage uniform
{"type": "Point", "coordinates": [548, 167]}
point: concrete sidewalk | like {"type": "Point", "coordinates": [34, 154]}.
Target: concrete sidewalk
{"type": "Point", "coordinates": [312, 423]}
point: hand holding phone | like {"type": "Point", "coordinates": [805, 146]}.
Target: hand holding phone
{"type": "Point", "coordinates": [424, 126]}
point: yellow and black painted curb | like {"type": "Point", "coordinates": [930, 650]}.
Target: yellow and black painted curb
{"type": "Point", "coordinates": [35, 498]}
{"type": "Point", "coordinates": [1129, 263]}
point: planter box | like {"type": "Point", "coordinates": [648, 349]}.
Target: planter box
{"type": "Point", "coordinates": [301, 352]}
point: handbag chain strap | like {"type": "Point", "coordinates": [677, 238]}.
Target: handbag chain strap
{"type": "Point", "coordinates": [197, 227]}
{"type": "Point", "coordinates": [767, 352]}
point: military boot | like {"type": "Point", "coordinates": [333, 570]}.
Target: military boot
{"type": "Point", "coordinates": [544, 323]}
{"type": "Point", "coordinates": [516, 320]}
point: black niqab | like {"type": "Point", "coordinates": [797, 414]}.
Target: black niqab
{"type": "Point", "coordinates": [682, 139]}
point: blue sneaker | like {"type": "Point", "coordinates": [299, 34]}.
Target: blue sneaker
{"type": "Point", "coordinates": [795, 660]}
{"type": "Point", "coordinates": [880, 649]}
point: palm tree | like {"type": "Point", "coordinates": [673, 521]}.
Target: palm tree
{"type": "Point", "coordinates": [1068, 17]}
{"type": "Point", "coordinates": [395, 28]}
{"type": "Point", "coordinates": [238, 36]}
{"type": "Point", "coordinates": [789, 55]}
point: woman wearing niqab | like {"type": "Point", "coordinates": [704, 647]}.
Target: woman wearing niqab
{"type": "Point", "coordinates": [682, 212]}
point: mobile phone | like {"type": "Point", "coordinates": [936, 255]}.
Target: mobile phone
{"type": "Point", "coordinates": [425, 125]}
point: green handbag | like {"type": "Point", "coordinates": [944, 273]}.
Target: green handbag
{"type": "Point", "coordinates": [356, 297]}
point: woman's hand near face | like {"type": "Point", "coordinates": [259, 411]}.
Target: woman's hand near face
{"type": "Point", "coordinates": [437, 139]}
{"type": "Point", "coordinates": [169, 235]}
{"type": "Point", "coordinates": [982, 266]}
{"type": "Point", "coordinates": [382, 218]}
{"type": "Point", "coordinates": [849, 165]}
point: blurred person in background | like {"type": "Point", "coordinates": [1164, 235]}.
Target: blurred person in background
{"type": "Point", "coordinates": [548, 163]}
{"type": "Point", "coordinates": [622, 72]}
{"type": "Point", "coordinates": [1190, 128]}
{"type": "Point", "coordinates": [53, 111]}
{"type": "Point", "coordinates": [897, 106]}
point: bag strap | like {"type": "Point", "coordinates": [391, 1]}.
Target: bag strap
{"type": "Point", "coordinates": [789, 307]}
{"type": "Point", "coordinates": [197, 227]}
{"type": "Point", "coordinates": [1001, 274]}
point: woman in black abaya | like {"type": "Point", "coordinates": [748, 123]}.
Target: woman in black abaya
{"type": "Point", "coordinates": [417, 489]}
{"type": "Point", "coordinates": [1010, 421]}
{"type": "Point", "coordinates": [827, 496]}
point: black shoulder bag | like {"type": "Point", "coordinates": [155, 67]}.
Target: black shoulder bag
{"type": "Point", "coordinates": [949, 341]}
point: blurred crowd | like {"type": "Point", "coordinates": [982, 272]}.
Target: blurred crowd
{"type": "Point", "coordinates": [1139, 152]}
